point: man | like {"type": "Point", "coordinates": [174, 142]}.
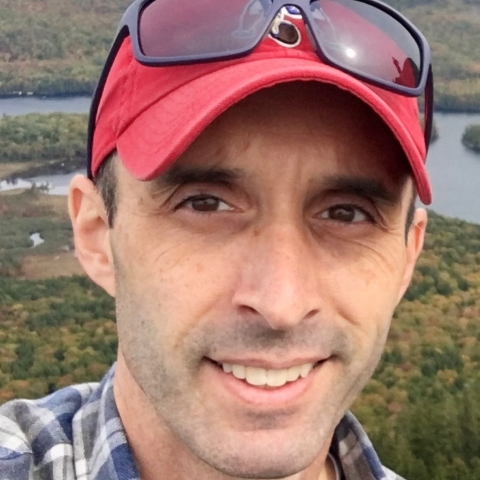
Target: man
{"type": "Point", "coordinates": [252, 213]}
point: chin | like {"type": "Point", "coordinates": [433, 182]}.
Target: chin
{"type": "Point", "coordinates": [261, 458]}
{"type": "Point", "coordinates": [272, 468]}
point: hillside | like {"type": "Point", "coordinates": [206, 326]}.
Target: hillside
{"type": "Point", "coordinates": [57, 47]}
{"type": "Point", "coordinates": [421, 409]}
{"type": "Point", "coordinates": [452, 28]}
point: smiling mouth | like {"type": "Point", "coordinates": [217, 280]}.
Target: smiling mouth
{"type": "Point", "coordinates": [262, 377]}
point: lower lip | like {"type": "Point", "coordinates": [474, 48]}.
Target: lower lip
{"type": "Point", "coordinates": [272, 397]}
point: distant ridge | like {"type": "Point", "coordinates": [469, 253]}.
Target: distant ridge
{"type": "Point", "coordinates": [57, 47]}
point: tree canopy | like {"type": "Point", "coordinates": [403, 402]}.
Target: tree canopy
{"type": "Point", "coordinates": [57, 47]}
{"type": "Point", "coordinates": [421, 408]}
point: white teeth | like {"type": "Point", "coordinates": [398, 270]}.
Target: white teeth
{"type": "Point", "coordinates": [293, 374]}
{"type": "Point", "coordinates": [256, 376]}
{"type": "Point", "coordinates": [239, 371]}
{"type": "Point", "coordinates": [277, 378]}
{"type": "Point", "coordinates": [305, 369]}
{"type": "Point", "coordinates": [260, 377]}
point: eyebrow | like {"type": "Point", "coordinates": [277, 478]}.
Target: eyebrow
{"type": "Point", "coordinates": [362, 187]}
{"type": "Point", "coordinates": [178, 175]}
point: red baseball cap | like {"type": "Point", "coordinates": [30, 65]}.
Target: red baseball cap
{"type": "Point", "coordinates": [150, 115]}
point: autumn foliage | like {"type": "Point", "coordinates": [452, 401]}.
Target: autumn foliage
{"type": "Point", "coordinates": [421, 409]}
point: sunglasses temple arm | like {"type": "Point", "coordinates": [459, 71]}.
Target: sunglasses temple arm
{"type": "Point", "coordinates": [97, 97]}
{"type": "Point", "coordinates": [428, 114]}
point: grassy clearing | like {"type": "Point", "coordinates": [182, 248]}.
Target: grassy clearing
{"type": "Point", "coordinates": [9, 169]}
{"type": "Point", "coordinates": [63, 264]}
{"type": "Point", "coordinates": [24, 212]}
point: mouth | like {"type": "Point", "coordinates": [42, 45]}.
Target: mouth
{"type": "Point", "coordinates": [267, 378]}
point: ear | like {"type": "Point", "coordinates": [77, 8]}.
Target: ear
{"type": "Point", "coordinates": [91, 232]}
{"type": "Point", "coordinates": [415, 240]}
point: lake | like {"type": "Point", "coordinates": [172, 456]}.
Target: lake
{"type": "Point", "coordinates": [454, 171]}
{"type": "Point", "coordinates": [57, 184]}
{"type": "Point", "coordinates": [24, 105]}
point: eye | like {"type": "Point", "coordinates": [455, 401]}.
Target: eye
{"type": "Point", "coordinates": [346, 214]}
{"type": "Point", "coordinates": [204, 203]}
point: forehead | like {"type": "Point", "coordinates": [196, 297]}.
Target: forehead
{"type": "Point", "coordinates": [304, 126]}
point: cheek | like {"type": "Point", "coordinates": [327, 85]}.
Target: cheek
{"type": "Point", "coordinates": [177, 283]}
{"type": "Point", "coordinates": [365, 289]}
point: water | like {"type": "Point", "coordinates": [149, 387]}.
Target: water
{"type": "Point", "coordinates": [454, 171]}
{"type": "Point", "coordinates": [52, 184]}
{"type": "Point", "coordinates": [36, 239]}
{"type": "Point", "coordinates": [24, 105]}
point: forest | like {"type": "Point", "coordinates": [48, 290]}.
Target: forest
{"type": "Point", "coordinates": [471, 138]}
{"type": "Point", "coordinates": [421, 409]}
{"type": "Point", "coordinates": [42, 137]}
{"type": "Point", "coordinates": [38, 144]}
{"type": "Point", "coordinates": [57, 47]}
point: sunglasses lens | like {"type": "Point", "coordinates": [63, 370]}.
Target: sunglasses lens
{"type": "Point", "coordinates": [172, 29]}
{"type": "Point", "coordinates": [364, 39]}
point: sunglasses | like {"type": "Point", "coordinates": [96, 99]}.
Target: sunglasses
{"type": "Point", "coordinates": [364, 38]}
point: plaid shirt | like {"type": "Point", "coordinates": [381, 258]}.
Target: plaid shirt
{"type": "Point", "coordinates": [76, 434]}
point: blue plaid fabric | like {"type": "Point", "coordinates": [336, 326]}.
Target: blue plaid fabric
{"type": "Point", "coordinates": [76, 434]}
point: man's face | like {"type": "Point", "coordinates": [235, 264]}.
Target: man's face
{"type": "Point", "coordinates": [275, 244]}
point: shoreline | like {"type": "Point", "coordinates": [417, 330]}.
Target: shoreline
{"type": "Point", "coordinates": [41, 96]}
{"type": "Point", "coordinates": [62, 96]}
{"type": "Point", "coordinates": [472, 147]}
{"type": "Point", "coordinates": [55, 167]}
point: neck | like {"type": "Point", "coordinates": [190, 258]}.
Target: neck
{"type": "Point", "coordinates": [159, 453]}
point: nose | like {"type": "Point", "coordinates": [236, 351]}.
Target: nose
{"type": "Point", "coordinates": [278, 278]}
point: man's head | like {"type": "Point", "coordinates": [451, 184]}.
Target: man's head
{"type": "Point", "coordinates": [276, 240]}
{"type": "Point", "coordinates": [255, 276]}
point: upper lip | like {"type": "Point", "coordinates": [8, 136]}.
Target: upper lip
{"type": "Point", "coordinates": [269, 364]}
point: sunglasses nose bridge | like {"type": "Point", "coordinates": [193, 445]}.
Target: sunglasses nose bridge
{"type": "Point", "coordinates": [302, 8]}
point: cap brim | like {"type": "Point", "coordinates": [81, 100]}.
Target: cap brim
{"type": "Point", "coordinates": [159, 135]}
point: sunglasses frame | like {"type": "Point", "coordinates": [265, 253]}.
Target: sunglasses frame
{"type": "Point", "coordinates": [129, 26]}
